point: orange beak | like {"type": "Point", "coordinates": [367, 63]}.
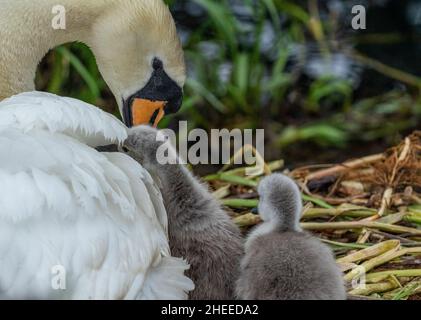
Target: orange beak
{"type": "Point", "coordinates": [147, 112]}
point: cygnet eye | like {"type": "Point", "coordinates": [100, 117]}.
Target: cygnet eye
{"type": "Point", "coordinates": [125, 149]}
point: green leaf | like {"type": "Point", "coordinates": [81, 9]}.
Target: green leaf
{"type": "Point", "coordinates": [81, 69]}
{"type": "Point", "coordinates": [199, 89]}
{"type": "Point", "coordinates": [222, 19]}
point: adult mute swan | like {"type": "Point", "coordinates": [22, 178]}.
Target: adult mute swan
{"type": "Point", "coordinates": [76, 223]}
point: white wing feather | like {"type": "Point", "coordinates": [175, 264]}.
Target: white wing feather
{"type": "Point", "coordinates": [82, 121]}
{"type": "Point", "coordinates": [62, 203]}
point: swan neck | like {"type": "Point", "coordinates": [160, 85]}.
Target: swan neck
{"type": "Point", "coordinates": [28, 31]}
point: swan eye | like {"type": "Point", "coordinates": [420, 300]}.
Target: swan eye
{"type": "Point", "coordinates": [125, 149]}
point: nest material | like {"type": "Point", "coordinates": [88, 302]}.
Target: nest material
{"type": "Point", "coordinates": [368, 210]}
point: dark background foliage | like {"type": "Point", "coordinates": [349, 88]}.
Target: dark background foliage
{"type": "Point", "coordinates": [323, 91]}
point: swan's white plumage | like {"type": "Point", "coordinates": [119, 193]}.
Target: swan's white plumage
{"type": "Point", "coordinates": [40, 110]}
{"type": "Point", "coordinates": [99, 215]}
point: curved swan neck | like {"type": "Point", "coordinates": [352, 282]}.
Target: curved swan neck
{"type": "Point", "coordinates": [27, 34]}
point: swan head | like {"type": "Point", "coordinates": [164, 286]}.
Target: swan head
{"type": "Point", "coordinates": [141, 58]}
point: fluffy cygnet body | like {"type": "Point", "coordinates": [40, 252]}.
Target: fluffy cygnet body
{"type": "Point", "coordinates": [281, 261]}
{"type": "Point", "coordinates": [199, 230]}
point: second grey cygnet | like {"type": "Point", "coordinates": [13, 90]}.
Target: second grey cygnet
{"type": "Point", "coordinates": [282, 262]}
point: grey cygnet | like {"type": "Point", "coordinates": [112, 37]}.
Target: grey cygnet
{"type": "Point", "coordinates": [199, 230]}
{"type": "Point", "coordinates": [281, 261]}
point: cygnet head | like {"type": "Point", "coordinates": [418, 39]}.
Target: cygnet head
{"type": "Point", "coordinates": [150, 147]}
{"type": "Point", "coordinates": [280, 202]}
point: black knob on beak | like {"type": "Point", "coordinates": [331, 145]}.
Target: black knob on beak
{"type": "Point", "coordinates": [161, 95]}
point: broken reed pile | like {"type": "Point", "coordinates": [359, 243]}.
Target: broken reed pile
{"type": "Point", "coordinates": [368, 210]}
